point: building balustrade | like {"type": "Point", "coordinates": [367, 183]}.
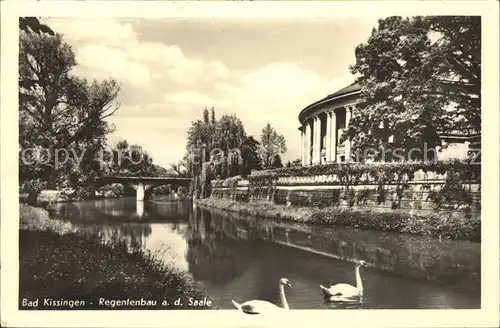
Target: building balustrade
{"type": "Point", "coordinates": [420, 178]}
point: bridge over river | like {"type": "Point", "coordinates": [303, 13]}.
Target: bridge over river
{"type": "Point", "coordinates": [143, 184]}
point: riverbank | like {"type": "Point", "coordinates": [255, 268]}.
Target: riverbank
{"type": "Point", "coordinates": [445, 226]}
{"type": "Point", "coordinates": [59, 263]}
{"type": "Point", "coordinates": [54, 197]}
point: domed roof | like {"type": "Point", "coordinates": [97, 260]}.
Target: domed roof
{"type": "Point", "coordinates": [350, 89]}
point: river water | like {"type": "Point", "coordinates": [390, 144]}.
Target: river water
{"type": "Point", "coordinates": [243, 258]}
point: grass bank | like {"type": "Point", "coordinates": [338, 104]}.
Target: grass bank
{"type": "Point", "coordinates": [447, 226]}
{"type": "Point", "coordinates": [77, 270]}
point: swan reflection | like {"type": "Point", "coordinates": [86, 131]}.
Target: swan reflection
{"type": "Point", "coordinates": [344, 302]}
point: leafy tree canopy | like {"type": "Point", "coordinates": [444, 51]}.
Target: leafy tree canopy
{"type": "Point", "coordinates": [59, 113]}
{"type": "Point", "coordinates": [208, 134]}
{"type": "Point", "coordinates": [251, 159]}
{"type": "Point", "coordinates": [271, 144]}
{"type": "Point", "coordinates": [32, 24]}
{"type": "Point", "coordinates": [217, 148]}
{"type": "Point", "coordinates": [420, 78]}
{"type": "Point", "coordinates": [131, 160]}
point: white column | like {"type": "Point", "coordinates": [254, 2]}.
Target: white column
{"type": "Point", "coordinates": [318, 134]}
{"type": "Point", "coordinates": [307, 157]}
{"type": "Point", "coordinates": [328, 139]}
{"type": "Point", "coordinates": [139, 192]}
{"type": "Point", "coordinates": [333, 142]}
{"type": "Point", "coordinates": [317, 140]}
{"type": "Point", "coordinates": [348, 114]}
{"type": "Point", "coordinates": [313, 140]}
{"type": "Point", "coordinates": [302, 146]}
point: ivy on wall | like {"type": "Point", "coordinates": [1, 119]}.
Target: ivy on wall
{"type": "Point", "coordinates": [453, 191]}
{"type": "Point", "coordinates": [353, 173]}
{"type": "Point", "coordinates": [400, 175]}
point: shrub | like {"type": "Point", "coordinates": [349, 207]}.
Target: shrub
{"type": "Point", "coordinates": [336, 193]}
{"type": "Point", "coordinates": [452, 191]}
{"type": "Point", "coordinates": [114, 190]}
{"type": "Point", "coordinates": [320, 200]}
{"type": "Point", "coordinates": [277, 199]}
{"type": "Point", "coordinates": [37, 218]}
{"type": "Point", "coordinates": [362, 196]}
{"type": "Point", "coordinates": [182, 191]}
{"type": "Point", "coordinates": [46, 197]}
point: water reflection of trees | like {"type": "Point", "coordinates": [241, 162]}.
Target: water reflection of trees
{"type": "Point", "coordinates": [118, 221]}
{"type": "Point", "coordinates": [92, 210]}
{"type": "Point", "coordinates": [170, 209]}
{"type": "Point", "coordinates": [408, 255]}
{"type": "Point", "coordinates": [221, 244]}
{"type": "Point", "coordinates": [113, 233]}
{"type": "Point", "coordinates": [216, 254]}
{"type": "Point", "coordinates": [122, 209]}
{"type": "Point", "coordinates": [132, 235]}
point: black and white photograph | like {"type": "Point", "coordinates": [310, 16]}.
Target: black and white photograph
{"type": "Point", "coordinates": [250, 164]}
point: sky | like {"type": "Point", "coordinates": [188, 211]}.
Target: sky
{"type": "Point", "coordinates": [262, 70]}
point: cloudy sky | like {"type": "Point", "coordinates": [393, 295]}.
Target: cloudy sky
{"type": "Point", "coordinates": [170, 69]}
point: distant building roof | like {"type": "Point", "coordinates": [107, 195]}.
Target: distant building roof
{"type": "Point", "coordinates": [350, 89]}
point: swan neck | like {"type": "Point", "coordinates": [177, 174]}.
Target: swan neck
{"type": "Point", "coordinates": [359, 282]}
{"type": "Point", "coordinates": [283, 298]}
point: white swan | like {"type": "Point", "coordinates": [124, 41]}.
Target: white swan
{"type": "Point", "coordinates": [345, 291]}
{"type": "Point", "coordinates": [258, 306]}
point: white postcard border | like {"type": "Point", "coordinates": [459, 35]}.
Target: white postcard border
{"type": "Point", "coordinates": [12, 317]}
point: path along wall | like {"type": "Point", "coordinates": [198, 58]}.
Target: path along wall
{"type": "Point", "coordinates": [418, 191]}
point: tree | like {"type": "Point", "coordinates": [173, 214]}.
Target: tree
{"type": "Point", "coordinates": [179, 169]}
{"type": "Point", "coordinates": [251, 159]}
{"type": "Point", "coordinates": [276, 164]}
{"type": "Point", "coordinates": [271, 144]}
{"type": "Point", "coordinates": [218, 148]}
{"type": "Point", "coordinates": [132, 160]}
{"type": "Point", "coordinates": [33, 25]}
{"type": "Point", "coordinates": [204, 136]}
{"type": "Point", "coordinates": [206, 116]}
{"type": "Point", "coordinates": [201, 139]}
{"type": "Point", "coordinates": [457, 52]}
{"type": "Point", "coordinates": [229, 137]}
{"type": "Point", "coordinates": [213, 120]}
{"type": "Point", "coordinates": [420, 79]}
{"type": "Point", "coordinates": [157, 170]}
{"type": "Point", "coordinates": [59, 113]}
{"type": "Point", "coordinates": [294, 163]}
{"type": "Point", "coordinates": [162, 190]}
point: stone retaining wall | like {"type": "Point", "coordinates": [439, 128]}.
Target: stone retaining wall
{"type": "Point", "coordinates": [320, 191]}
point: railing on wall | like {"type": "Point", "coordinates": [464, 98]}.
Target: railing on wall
{"type": "Point", "coordinates": [418, 190]}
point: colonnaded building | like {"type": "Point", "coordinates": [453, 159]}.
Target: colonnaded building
{"type": "Point", "coordinates": [323, 121]}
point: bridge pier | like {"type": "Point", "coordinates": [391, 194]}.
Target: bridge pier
{"type": "Point", "coordinates": [140, 191]}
